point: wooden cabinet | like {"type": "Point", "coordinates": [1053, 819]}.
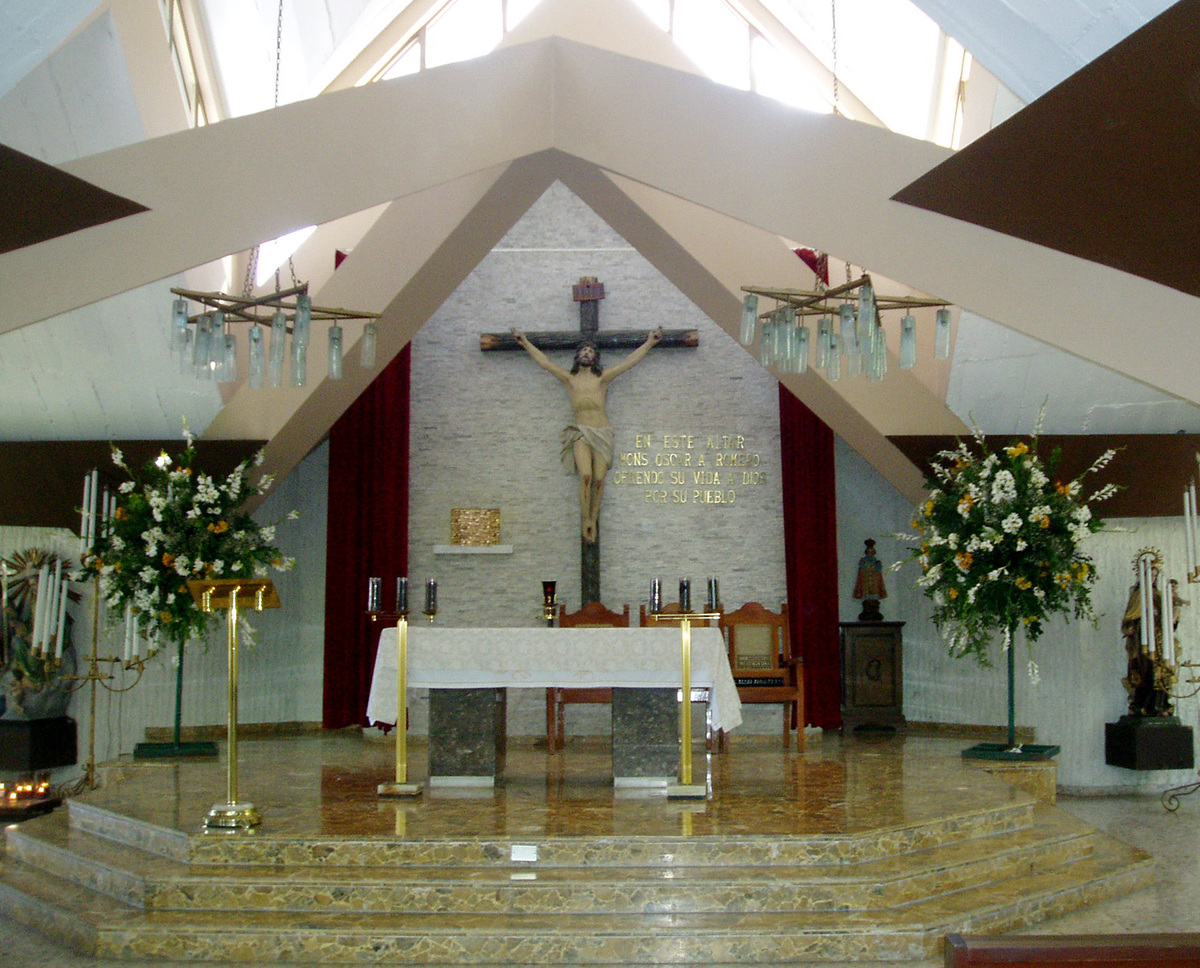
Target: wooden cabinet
{"type": "Point", "coordinates": [872, 675]}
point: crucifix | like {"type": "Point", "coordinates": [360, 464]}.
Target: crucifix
{"type": "Point", "coordinates": [588, 443]}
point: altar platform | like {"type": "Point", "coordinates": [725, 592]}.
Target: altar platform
{"type": "Point", "coordinates": [861, 850]}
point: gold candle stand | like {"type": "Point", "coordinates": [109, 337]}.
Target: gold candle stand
{"type": "Point", "coordinates": [93, 678]}
{"type": "Point", "coordinates": [685, 789]}
{"type": "Point", "coordinates": [401, 788]}
{"type": "Point", "coordinates": [224, 593]}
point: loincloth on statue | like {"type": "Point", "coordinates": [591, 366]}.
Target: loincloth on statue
{"type": "Point", "coordinates": [599, 439]}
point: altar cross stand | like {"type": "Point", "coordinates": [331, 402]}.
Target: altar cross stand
{"type": "Point", "coordinates": [588, 292]}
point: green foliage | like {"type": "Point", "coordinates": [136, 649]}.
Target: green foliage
{"type": "Point", "coordinates": [999, 543]}
{"type": "Point", "coordinates": [174, 523]}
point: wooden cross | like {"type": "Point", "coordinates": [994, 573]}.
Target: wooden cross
{"type": "Point", "coordinates": [588, 292]}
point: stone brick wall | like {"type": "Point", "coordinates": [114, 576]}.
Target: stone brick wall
{"type": "Point", "coordinates": [485, 433]}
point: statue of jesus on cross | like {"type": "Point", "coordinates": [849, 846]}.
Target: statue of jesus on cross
{"type": "Point", "coordinates": [587, 444]}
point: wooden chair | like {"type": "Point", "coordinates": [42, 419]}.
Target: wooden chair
{"type": "Point", "coordinates": [592, 616]}
{"type": "Point", "coordinates": [762, 664]}
{"type": "Point", "coordinates": [699, 693]}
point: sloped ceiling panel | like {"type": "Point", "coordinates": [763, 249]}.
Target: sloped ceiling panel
{"type": "Point", "coordinates": [1103, 167]}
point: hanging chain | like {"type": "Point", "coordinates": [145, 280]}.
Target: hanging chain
{"type": "Point", "coordinates": [278, 48]}
{"type": "Point", "coordinates": [836, 92]}
{"type": "Point", "coordinates": [278, 59]}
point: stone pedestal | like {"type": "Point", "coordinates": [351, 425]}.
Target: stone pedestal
{"type": "Point", "coordinates": [466, 736]}
{"type": "Point", "coordinates": [645, 736]}
{"type": "Point", "coordinates": [1037, 778]}
{"type": "Point", "coordinates": [1148, 743]}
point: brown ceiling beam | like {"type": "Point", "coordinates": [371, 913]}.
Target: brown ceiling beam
{"type": "Point", "coordinates": [1151, 470]}
{"type": "Point", "coordinates": [41, 481]}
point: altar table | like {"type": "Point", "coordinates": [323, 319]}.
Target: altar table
{"type": "Point", "coordinates": [532, 658]}
{"type": "Point", "coordinates": [643, 664]}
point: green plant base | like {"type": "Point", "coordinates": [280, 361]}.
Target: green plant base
{"type": "Point", "coordinates": [1002, 751]}
{"type": "Point", "coordinates": [158, 751]}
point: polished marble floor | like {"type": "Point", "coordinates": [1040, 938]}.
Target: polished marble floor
{"type": "Point", "coordinates": [326, 785]}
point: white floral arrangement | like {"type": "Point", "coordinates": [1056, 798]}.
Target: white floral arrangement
{"type": "Point", "coordinates": [174, 523]}
{"type": "Point", "coordinates": [999, 543]}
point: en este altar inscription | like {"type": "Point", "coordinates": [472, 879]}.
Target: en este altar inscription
{"type": "Point", "coordinates": [711, 470]}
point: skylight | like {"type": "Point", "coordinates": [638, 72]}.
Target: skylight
{"type": "Point", "coordinates": [902, 70]}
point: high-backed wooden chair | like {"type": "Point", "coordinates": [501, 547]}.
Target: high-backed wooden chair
{"type": "Point", "coordinates": [762, 664]}
{"type": "Point", "coordinates": [592, 616]}
{"type": "Point", "coordinates": [699, 693]}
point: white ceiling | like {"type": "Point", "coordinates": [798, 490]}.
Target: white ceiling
{"type": "Point", "coordinates": [77, 86]}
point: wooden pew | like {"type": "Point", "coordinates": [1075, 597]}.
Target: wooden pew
{"type": "Point", "coordinates": [1091, 950]}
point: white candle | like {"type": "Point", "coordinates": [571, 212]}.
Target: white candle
{"type": "Point", "coordinates": [83, 514]}
{"type": "Point", "coordinates": [1144, 599]}
{"type": "Point", "coordinates": [92, 499]}
{"type": "Point", "coordinates": [61, 624]}
{"type": "Point", "coordinates": [52, 604]}
{"type": "Point", "coordinates": [1165, 596]}
{"type": "Point", "coordinates": [39, 609]}
{"type": "Point", "coordinates": [1192, 530]}
{"type": "Point", "coordinates": [1187, 521]}
{"type": "Point", "coordinates": [128, 630]}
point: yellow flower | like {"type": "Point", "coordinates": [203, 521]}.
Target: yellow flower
{"type": "Point", "coordinates": [119, 514]}
{"type": "Point", "coordinates": [168, 559]}
{"type": "Point", "coordinates": [219, 528]}
{"type": "Point", "coordinates": [164, 618]}
{"type": "Point", "coordinates": [1044, 521]}
{"type": "Point", "coordinates": [928, 508]}
{"type": "Point", "coordinates": [1029, 619]}
{"type": "Point", "coordinates": [965, 503]}
{"type": "Point", "coordinates": [952, 593]}
{"type": "Point", "coordinates": [1017, 449]}
{"type": "Point", "coordinates": [1023, 583]}
{"type": "Point", "coordinates": [964, 559]}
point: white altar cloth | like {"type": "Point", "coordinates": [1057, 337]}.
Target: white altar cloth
{"type": "Point", "coordinates": [531, 658]}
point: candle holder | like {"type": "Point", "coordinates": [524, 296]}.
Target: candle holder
{"type": "Point", "coordinates": [258, 593]}
{"type": "Point", "coordinates": [685, 789]}
{"type": "Point", "coordinates": [549, 602]}
{"type": "Point", "coordinates": [401, 787]}
{"type": "Point", "coordinates": [431, 605]}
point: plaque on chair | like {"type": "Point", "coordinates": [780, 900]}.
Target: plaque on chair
{"type": "Point", "coordinates": [872, 675]}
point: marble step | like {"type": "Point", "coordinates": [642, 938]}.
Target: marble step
{"type": "Point", "coordinates": [106, 928]}
{"type": "Point", "coordinates": [265, 848]}
{"type": "Point", "coordinates": [144, 880]}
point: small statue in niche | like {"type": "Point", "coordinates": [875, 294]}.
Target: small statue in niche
{"type": "Point", "coordinates": [869, 585]}
{"type": "Point", "coordinates": [1151, 651]}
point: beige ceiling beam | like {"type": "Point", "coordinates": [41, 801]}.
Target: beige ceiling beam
{"type": "Point", "coordinates": [224, 188]}
{"type": "Point", "coordinates": [708, 256]}
{"type": "Point", "coordinates": [408, 272]}
{"type": "Point", "coordinates": [828, 181]}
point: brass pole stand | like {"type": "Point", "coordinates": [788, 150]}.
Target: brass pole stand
{"type": "Point", "coordinates": [401, 788]}
{"type": "Point", "coordinates": [685, 789]}
{"type": "Point", "coordinates": [224, 593]}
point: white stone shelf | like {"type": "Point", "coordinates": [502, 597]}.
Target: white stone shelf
{"type": "Point", "coordinates": [473, 549]}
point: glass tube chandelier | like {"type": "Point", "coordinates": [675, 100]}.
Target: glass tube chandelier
{"type": "Point", "coordinates": [205, 343]}
{"type": "Point", "coordinates": [849, 331]}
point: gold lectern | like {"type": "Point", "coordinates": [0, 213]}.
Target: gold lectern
{"type": "Point", "coordinates": [229, 593]}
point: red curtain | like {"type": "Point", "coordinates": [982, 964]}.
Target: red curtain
{"type": "Point", "coordinates": [810, 545]}
{"type": "Point", "coordinates": [367, 534]}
